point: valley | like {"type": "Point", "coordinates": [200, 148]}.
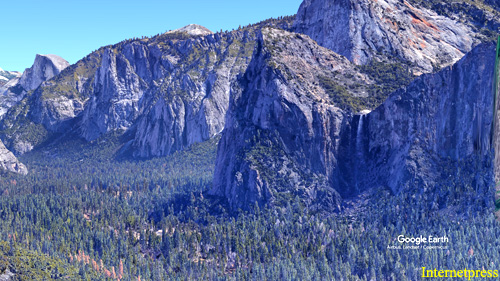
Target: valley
{"type": "Point", "coordinates": [296, 148]}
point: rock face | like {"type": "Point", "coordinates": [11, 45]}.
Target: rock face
{"type": "Point", "coordinates": [9, 162]}
{"type": "Point", "coordinates": [286, 137]}
{"type": "Point", "coordinates": [7, 275]}
{"type": "Point", "coordinates": [44, 68]}
{"type": "Point", "coordinates": [284, 125]}
{"type": "Point", "coordinates": [364, 29]}
{"type": "Point", "coordinates": [172, 95]}
{"type": "Point", "coordinates": [8, 79]}
{"type": "Point", "coordinates": [16, 105]}
{"type": "Point", "coordinates": [167, 92]}
{"type": "Point", "coordinates": [191, 104]}
{"type": "Point", "coordinates": [433, 134]}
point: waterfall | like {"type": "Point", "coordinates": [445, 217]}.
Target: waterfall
{"type": "Point", "coordinates": [359, 138]}
{"type": "Point", "coordinates": [359, 154]}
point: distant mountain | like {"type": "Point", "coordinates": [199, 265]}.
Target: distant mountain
{"type": "Point", "coordinates": [44, 68]}
{"type": "Point", "coordinates": [6, 76]}
{"type": "Point", "coordinates": [167, 92]}
{"type": "Point", "coordinates": [13, 91]}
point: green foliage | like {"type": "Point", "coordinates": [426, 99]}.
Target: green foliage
{"type": "Point", "coordinates": [388, 78]}
{"type": "Point", "coordinates": [17, 126]}
{"type": "Point", "coordinates": [70, 82]}
{"type": "Point", "coordinates": [341, 97]}
{"type": "Point", "coordinates": [175, 36]}
{"type": "Point", "coordinates": [264, 155]}
{"type": "Point", "coordinates": [31, 265]}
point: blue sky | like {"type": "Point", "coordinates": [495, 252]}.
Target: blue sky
{"type": "Point", "coordinates": [74, 28]}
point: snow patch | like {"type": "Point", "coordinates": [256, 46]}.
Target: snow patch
{"type": "Point", "coordinates": [193, 29]}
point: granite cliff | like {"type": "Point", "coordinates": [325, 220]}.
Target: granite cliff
{"type": "Point", "coordinates": [168, 92]}
{"type": "Point", "coordinates": [433, 136]}
{"type": "Point", "coordinates": [362, 30]}
{"type": "Point", "coordinates": [172, 95]}
{"type": "Point", "coordinates": [285, 123]}
{"type": "Point", "coordinates": [288, 134]}
{"type": "Point", "coordinates": [44, 68]}
{"type": "Point", "coordinates": [8, 162]}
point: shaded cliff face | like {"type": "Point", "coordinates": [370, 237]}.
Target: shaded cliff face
{"type": "Point", "coordinates": [286, 137]}
{"type": "Point", "coordinates": [284, 125]}
{"type": "Point", "coordinates": [364, 29]}
{"type": "Point", "coordinates": [434, 135]}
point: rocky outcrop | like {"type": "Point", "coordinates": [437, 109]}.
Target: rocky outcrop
{"type": "Point", "coordinates": [7, 275]}
{"type": "Point", "coordinates": [167, 92]}
{"type": "Point", "coordinates": [172, 91]}
{"type": "Point", "coordinates": [363, 30]}
{"type": "Point", "coordinates": [434, 135]}
{"type": "Point", "coordinates": [191, 103]}
{"type": "Point", "coordinates": [284, 125]}
{"type": "Point", "coordinates": [44, 68]}
{"type": "Point", "coordinates": [8, 162]}
{"type": "Point", "coordinates": [288, 133]}
{"type": "Point", "coordinates": [193, 29]}
{"type": "Point", "coordinates": [22, 100]}
{"type": "Point", "coordinates": [117, 89]}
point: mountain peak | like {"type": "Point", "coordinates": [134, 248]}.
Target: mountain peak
{"type": "Point", "coordinates": [59, 62]}
{"type": "Point", "coordinates": [193, 29]}
{"type": "Point", "coordinates": [44, 68]}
